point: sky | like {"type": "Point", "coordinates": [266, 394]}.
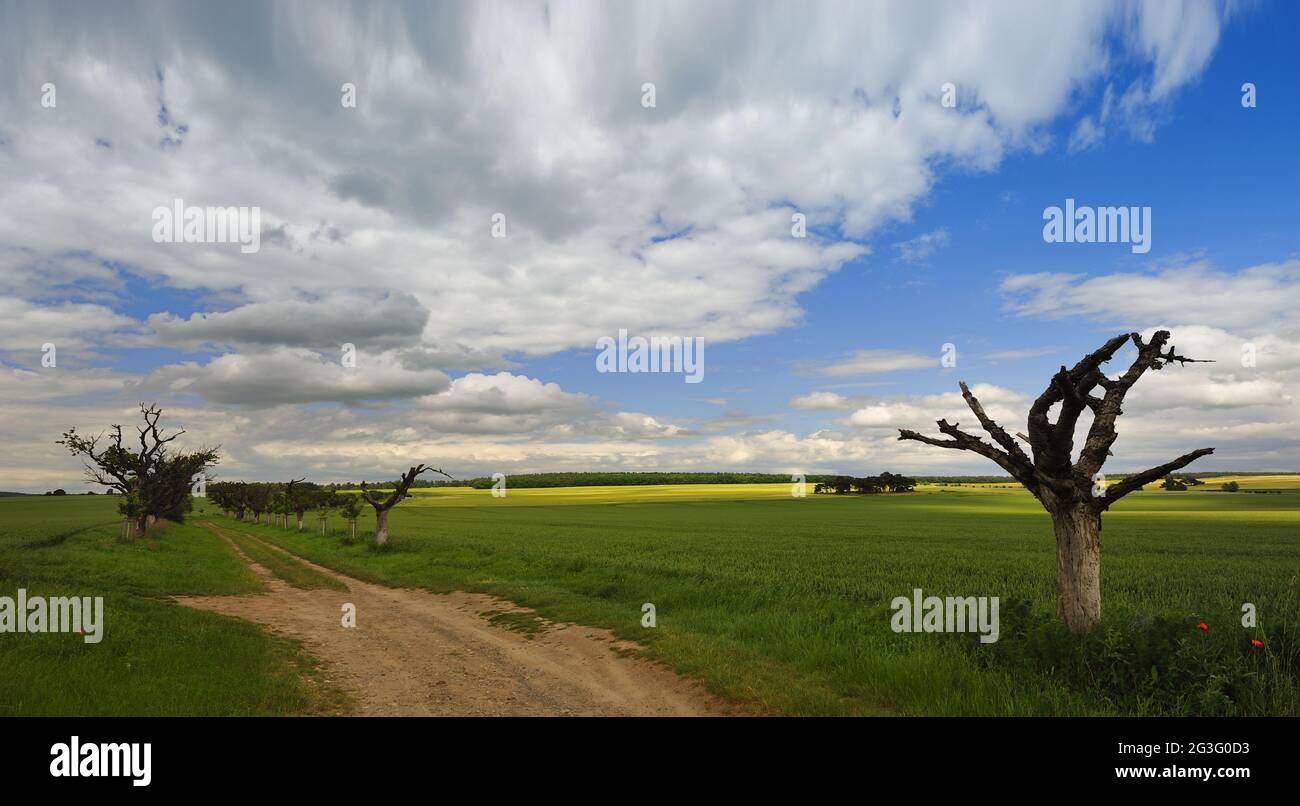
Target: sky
{"type": "Point", "coordinates": [644, 165]}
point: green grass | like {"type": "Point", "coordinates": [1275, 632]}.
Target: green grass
{"type": "Point", "coordinates": [776, 602]}
{"type": "Point", "coordinates": [783, 603]}
{"type": "Point", "coordinates": [156, 657]}
{"type": "Point", "coordinates": [283, 566]}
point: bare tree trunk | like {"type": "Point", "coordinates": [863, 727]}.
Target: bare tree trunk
{"type": "Point", "coordinates": [142, 526]}
{"type": "Point", "coordinates": [352, 529]}
{"type": "Point", "coordinates": [381, 527]}
{"type": "Point", "coordinates": [322, 525]}
{"type": "Point", "coordinates": [1078, 567]}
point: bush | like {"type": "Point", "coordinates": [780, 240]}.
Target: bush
{"type": "Point", "coordinates": [1155, 665]}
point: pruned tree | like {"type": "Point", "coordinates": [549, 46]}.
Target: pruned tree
{"type": "Point", "coordinates": [1071, 490]}
{"type": "Point", "coordinates": [383, 506]}
{"type": "Point", "coordinates": [301, 497]}
{"type": "Point", "coordinates": [155, 481]}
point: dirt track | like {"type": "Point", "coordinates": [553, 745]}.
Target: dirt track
{"type": "Point", "coordinates": [413, 652]}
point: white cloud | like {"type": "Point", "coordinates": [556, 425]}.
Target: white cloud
{"type": "Point", "coordinates": [922, 246]}
{"type": "Point", "coordinates": [869, 362]}
{"type": "Point", "coordinates": [1087, 133]}
{"type": "Point", "coordinates": [1195, 293]}
{"type": "Point", "coordinates": [820, 401]}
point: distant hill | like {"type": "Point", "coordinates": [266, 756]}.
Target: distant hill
{"type": "Point", "coordinates": [3, 493]}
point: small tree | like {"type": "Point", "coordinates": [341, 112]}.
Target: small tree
{"type": "Point", "coordinates": [382, 506]}
{"type": "Point", "coordinates": [1071, 490]}
{"type": "Point", "coordinates": [326, 501]}
{"type": "Point", "coordinates": [350, 508]}
{"type": "Point", "coordinates": [1230, 487]}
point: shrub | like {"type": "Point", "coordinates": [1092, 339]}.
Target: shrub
{"type": "Point", "coordinates": [1172, 665]}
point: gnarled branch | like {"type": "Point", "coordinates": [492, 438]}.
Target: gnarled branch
{"type": "Point", "coordinates": [994, 430]}
{"type": "Point", "coordinates": [403, 485]}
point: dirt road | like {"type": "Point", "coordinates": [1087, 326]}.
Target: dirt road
{"type": "Point", "coordinates": [413, 652]}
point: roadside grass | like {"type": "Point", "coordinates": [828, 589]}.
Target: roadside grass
{"type": "Point", "coordinates": [283, 565]}
{"type": "Point", "coordinates": [156, 657]}
{"type": "Point", "coordinates": [784, 603]}
{"type": "Point", "coordinates": [527, 623]}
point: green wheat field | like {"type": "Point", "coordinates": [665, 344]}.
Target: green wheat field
{"type": "Point", "coordinates": [780, 604]}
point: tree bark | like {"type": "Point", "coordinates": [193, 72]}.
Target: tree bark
{"type": "Point", "coordinates": [381, 527]}
{"type": "Point", "coordinates": [1078, 566]}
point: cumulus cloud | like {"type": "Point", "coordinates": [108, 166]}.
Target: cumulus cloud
{"type": "Point", "coordinates": [377, 220]}
{"type": "Point", "coordinates": [77, 330]}
{"type": "Point", "coordinates": [292, 375]}
{"type": "Point", "coordinates": [840, 122]}
{"type": "Point", "coordinates": [395, 319]}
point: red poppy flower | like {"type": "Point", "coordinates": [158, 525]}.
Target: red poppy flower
{"type": "Point", "coordinates": [1203, 627]}
{"type": "Point", "coordinates": [1255, 642]}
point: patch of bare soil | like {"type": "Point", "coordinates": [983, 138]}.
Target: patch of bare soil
{"type": "Point", "coordinates": [418, 653]}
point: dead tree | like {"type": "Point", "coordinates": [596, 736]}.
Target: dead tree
{"type": "Point", "coordinates": [1072, 491]}
{"type": "Point", "coordinates": [382, 507]}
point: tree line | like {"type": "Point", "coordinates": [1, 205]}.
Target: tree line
{"type": "Point", "coordinates": [867, 485]}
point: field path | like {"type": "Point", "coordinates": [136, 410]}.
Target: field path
{"type": "Point", "coordinates": [413, 652]}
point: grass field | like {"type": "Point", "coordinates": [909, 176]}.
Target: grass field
{"type": "Point", "coordinates": [780, 603]}
{"type": "Point", "coordinates": [155, 657]}
{"type": "Point", "coordinates": [783, 602]}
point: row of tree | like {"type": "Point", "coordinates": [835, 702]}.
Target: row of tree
{"type": "Point", "coordinates": [243, 499]}
{"type": "Point", "coordinates": [157, 481]}
{"type": "Point", "coordinates": [884, 483]}
{"type": "Point", "coordinates": [252, 500]}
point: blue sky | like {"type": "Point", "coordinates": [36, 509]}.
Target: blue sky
{"type": "Point", "coordinates": [672, 219]}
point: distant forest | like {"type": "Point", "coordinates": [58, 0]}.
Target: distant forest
{"type": "Point", "coordinates": [623, 479]}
